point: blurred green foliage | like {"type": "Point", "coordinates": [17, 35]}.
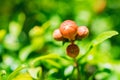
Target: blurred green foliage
{"type": "Point", "coordinates": [29, 52]}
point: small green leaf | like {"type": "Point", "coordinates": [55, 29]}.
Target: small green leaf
{"type": "Point", "coordinates": [11, 42]}
{"type": "Point", "coordinates": [2, 74]}
{"type": "Point", "coordinates": [15, 28]}
{"type": "Point", "coordinates": [15, 72]}
{"type": "Point", "coordinates": [52, 71]}
{"type": "Point", "coordinates": [49, 56]}
{"type": "Point", "coordinates": [2, 34]}
{"type": "Point", "coordinates": [35, 71]}
{"type": "Point", "coordinates": [36, 31]}
{"type": "Point", "coordinates": [46, 25]}
{"type": "Point", "coordinates": [103, 36]}
{"type": "Point", "coordinates": [37, 43]}
{"type": "Point", "coordinates": [53, 63]}
{"type": "Point", "coordinates": [102, 76]}
{"type": "Point", "coordinates": [24, 53]}
{"type": "Point", "coordinates": [69, 70]}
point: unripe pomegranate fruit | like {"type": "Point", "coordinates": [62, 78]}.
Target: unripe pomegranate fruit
{"type": "Point", "coordinates": [82, 32]}
{"type": "Point", "coordinates": [57, 35]}
{"type": "Point", "coordinates": [68, 29]}
{"type": "Point", "coordinates": [72, 50]}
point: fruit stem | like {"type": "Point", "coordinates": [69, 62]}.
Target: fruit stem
{"type": "Point", "coordinates": [72, 41]}
{"type": "Point", "coordinates": [77, 67]}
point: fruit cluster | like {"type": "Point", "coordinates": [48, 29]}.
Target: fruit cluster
{"type": "Point", "coordinates": [69, 30]}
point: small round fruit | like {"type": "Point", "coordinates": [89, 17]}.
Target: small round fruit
{"type": "Point", "coordinates": [82, 32]}
{"type": "Point", "coordinates": [57, 35]}
{"type": "Point", "coordinates": [68, 29]}
{"type": "Point", "coordinates": [72, 50]}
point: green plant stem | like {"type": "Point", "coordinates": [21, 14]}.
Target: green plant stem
{"type": "Point", "coordinates": [78, 70]}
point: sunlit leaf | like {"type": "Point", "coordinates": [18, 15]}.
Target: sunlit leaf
{"type": "Point", "coordinates": [102, 76]}
{"type": "Point", "coordinates": [15, 28]}
{"type": "Point", "coordinates": [36, 31]}
{"type": "Point", "coordinates": [2, 74]}
{"type": "Point", "coordinates": [52, 71]}
{"type": "Point", "coordinates": [24, 53]}
{"type": "Point", "coordinates": [2, 34]}
{"type": "Point", "coordinates": [15, 72]}
{"type": "Point", "coordinates": [53, 63]}
{"type": "Point", "coordinates": [11, 42]}
{"type": "Point", "coordinates": [49, 56]}
{"type": "Point", "coordinates": [35, 71]}
{"type": "Point", "coordinates": [69, 70]}
{"type": "Point", "coordinates": [46, 25]}
{"type": "Point", "coordinates": [23, 76]}
{"type": "Point", "coordinates": [21, 18]}
{"type": "Point", "coordinates": [103, 36]}
{"type": "Point", "coordinates": [37, 43]}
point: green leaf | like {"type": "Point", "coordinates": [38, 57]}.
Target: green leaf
{"type": "Point", "coordinates": [37, 43]}
{"type": "Point", "coordinates": [103, 36]}
{"type": "Point", "coordinates": [52, 71]}
{"type": "Point", "coordinates": [46, 25]}
{"type": "Point", "coordinates": [15, 72]}
{"type": "Point", "coordinates": [23, 76]}
{"type": "Point", "coordinates": [102, 76]}
{"type": "Point", "coordinates": [11, 42]}
{"type": "Point", "coordinates": [15, 28]}
{"type": "Point", "coordinates": [69, 70]}
{"type": "Point", "coordinates": [24, 53]}
{"type": "Point", "coordinates": [35, 71]}
{"type": "Point", "coordinates": [2, 34]}
{"type": "Point", "coordinates": [49, 56]}
{"type": "Point", "coordinates": [53, 63]}
{"type": "Point", "coordinates": [2, 75]}
{"type": "Point", "coordinates": [99, 39]}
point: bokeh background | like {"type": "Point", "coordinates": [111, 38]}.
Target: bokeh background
{"type": "Point", "coordinates": [26, 28]}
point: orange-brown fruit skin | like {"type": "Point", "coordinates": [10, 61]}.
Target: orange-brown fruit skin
{"type": "Point", "coordinates": [69, 29]}
{"type": "Point", "coordinates": [72, 50]}
{"type": "Point", "coordinates": [82, 32]}
{"type": "Point", "coordinates": [57, 35]}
